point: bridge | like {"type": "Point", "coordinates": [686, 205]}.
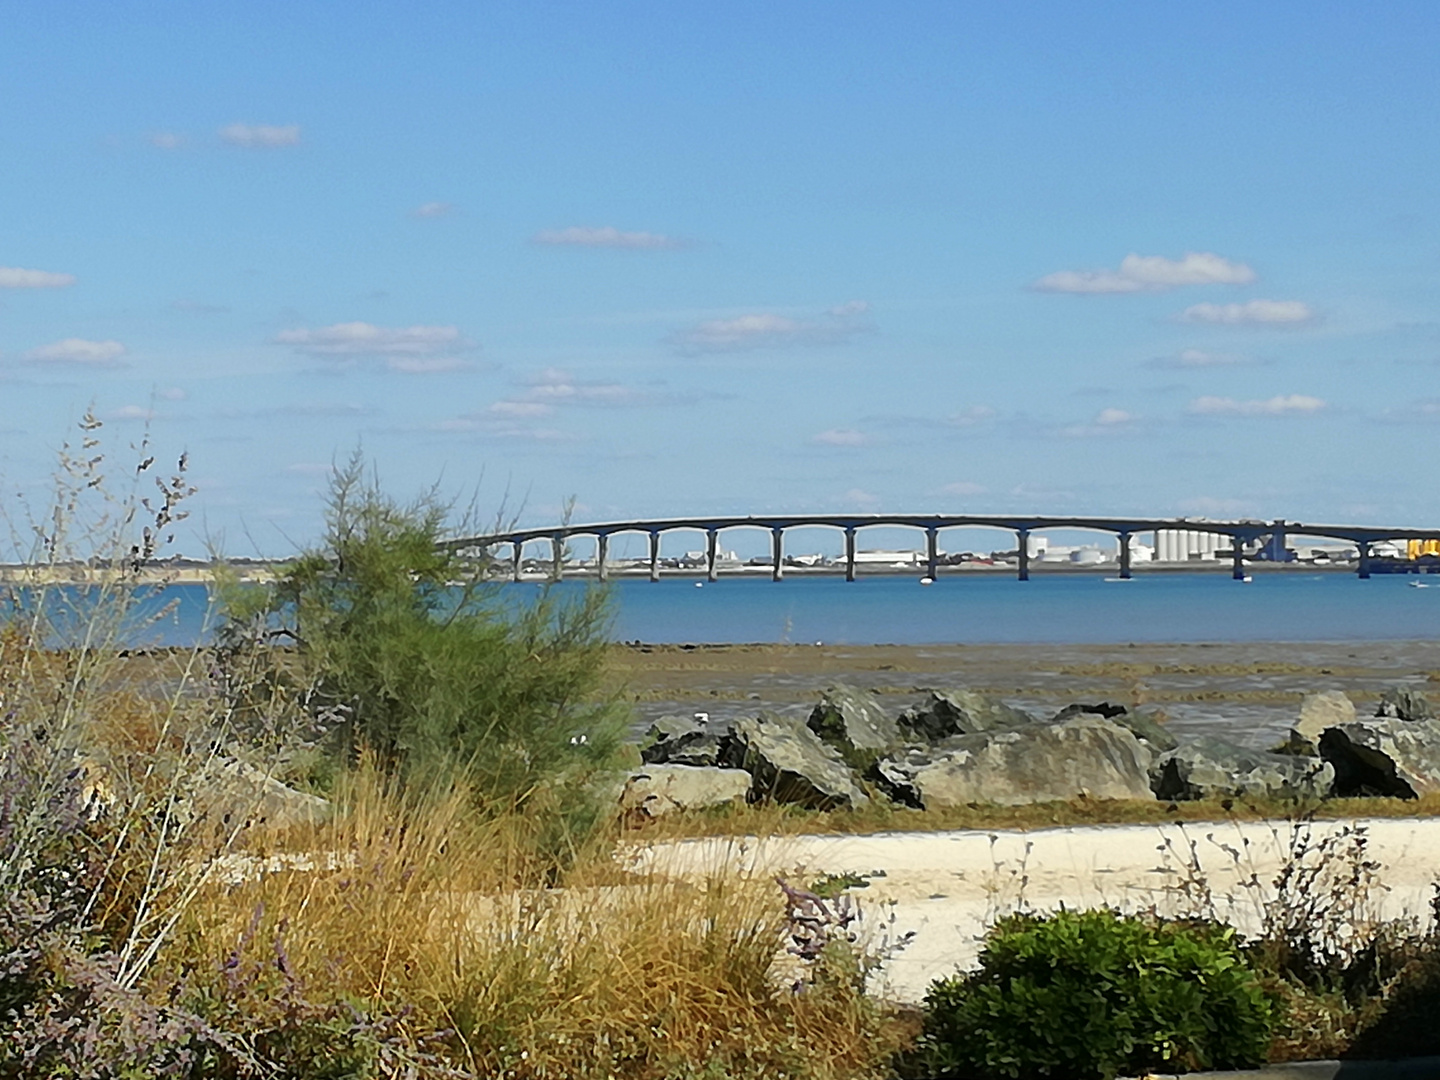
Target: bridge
{"type": "Point", "coordinates": [1243, 534]}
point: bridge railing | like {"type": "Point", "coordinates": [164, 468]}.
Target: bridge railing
{"type": "Point", "coordinates": [1242, 534]}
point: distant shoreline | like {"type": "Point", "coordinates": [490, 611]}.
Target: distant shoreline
{"type": "Point", "coordinates": [262, 573]}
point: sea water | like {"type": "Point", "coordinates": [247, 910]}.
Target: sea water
{"type": "Point", "coordinates": [898, 610]}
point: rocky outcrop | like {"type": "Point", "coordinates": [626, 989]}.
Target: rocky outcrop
{"type": "Point", "coordinates": [660, 789]}
{"type": "Point", "coordinates": [1384, 756]}
{"type": "Point", "coordinates": [947, 713]}
{"type": "Point", "coordinates": [235, 793]}
{"type": "Point", "coordinates": [1146, 725]}
{"type": "Point", "coordinates": [1405, 703]}
{"type": "Point", "coordinates": [1084, 756]}
{"type": "Point", "coordinates": [1327, 709]}
{"type": "Point", "coordinates": [790, 764]}
{"type": "Point", "coordinates": [853, 722]}
{"type": "Point", "coordinates": [1210, 768]}
{"type": "Point", "coordinates": [684, 740]}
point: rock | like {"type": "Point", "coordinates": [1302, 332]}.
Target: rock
{"type": "Point", "coordinates": [1327, 709]}
{"type": "Point", "coordinates": [854, 723]}
{"type": "Point", "coordinates": [1085, 756]}
{"type": "Point", "coordinates": [684, 740]}
{"type": "Point", "coordinates": [790, 764]}
{"type": "Point", "coordinates": [1384, 756]}
{"type": "Point", "coordinates": [1210, 768]}
{"type": "Point", "coordinates": [1405, 703]}
{"type": "Point", "coordinates": [1146, 726]}
{"type": "Point", "coordinates": [235, 792]}
{"type": "Point", "coordinates": [959, 712]}
{"type": "Point", "coordinates": [660, 789]}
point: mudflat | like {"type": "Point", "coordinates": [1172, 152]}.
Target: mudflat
{"type": "Point", "coordinates": [1247, 692]}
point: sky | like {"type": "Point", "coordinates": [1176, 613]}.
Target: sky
{"type": "Point", "coordinates": [681, 259]}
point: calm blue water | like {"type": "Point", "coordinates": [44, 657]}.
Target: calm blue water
{"type": "Point", "coordinates": [1071, 609]}
{"type": "Point", "coordinates": [1067, 609]}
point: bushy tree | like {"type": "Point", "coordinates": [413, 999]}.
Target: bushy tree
{"type": "Point", "coordinates": [411, 656]}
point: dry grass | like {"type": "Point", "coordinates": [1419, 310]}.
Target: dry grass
{"type": "Point", "coordinates": [879, 817]}
{"type": "Point", "coordinates": [445, 918]}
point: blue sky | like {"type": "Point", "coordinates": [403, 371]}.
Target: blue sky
{"type": "Point", "coordinates": [680, 259]}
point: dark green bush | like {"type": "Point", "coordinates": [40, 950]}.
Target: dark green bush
{"type": "Point", "coordinates": [404, 651]}
{"type": "Point", "coordinates": [1095, 994]}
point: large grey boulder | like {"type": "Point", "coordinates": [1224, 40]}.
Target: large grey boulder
{"type": "Point", "coordinates": [660, 789]}
{"type": "Point", "coordinates": [853, 722]}
{"type": "Point", "coordinates": [1405, 703]}
{"type": "Point", "coordinates": [1327, 709]}
{"type": "Point", "coordinates": [1146, 724]}
{"type": "Point", "coordinates": [1210, 768]}
{"type": "Point", "coordinates": [1384, 756]}
{"type": "Point", "coordinates": [235, 793]}
{"type": "Point", "coordinates": [1084, 756]}
{"type": "Point", "coordinates": [684, 740]}
{"type": "Point", "coordinates": [947, 713]}
{"type": "Point", "coordinates": [790, 764]}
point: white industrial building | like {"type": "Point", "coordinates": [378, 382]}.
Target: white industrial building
{"type": "Point", "coordinates": [1189, 545]}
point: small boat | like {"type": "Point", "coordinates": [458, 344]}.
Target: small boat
{"type": "Point", "coordinates": [1418, 584]}
{"type": "Point", "coordinates": [1118, 579]}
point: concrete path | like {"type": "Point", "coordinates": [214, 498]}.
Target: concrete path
{"type": "Point", "coordinates": [946, 888]}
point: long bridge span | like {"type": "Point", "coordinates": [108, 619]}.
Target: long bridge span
{"type": "Point", "coordinates": [1243, 534]}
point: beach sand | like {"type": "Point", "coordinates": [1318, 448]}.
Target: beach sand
{"type": "Point", "coordinates": [946, 888]}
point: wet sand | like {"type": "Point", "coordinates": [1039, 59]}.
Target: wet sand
{"type": "Point", "coordinates": [1247, 692]}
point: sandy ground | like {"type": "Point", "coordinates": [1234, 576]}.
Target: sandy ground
{"type": "Point", "coordinates": [946, 888]}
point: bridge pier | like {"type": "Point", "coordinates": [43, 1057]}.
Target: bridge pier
{"type": "Point", "coordinates": [850, 553]}
{"type": "Point", "coordinates": [517, 549]}
{"type": "Point", "coordinates": [712, 540]}
{"type": "Point", "coordinates": [1023, 536]}
{"type": "Point", "coordinates": [557, 556]}
{"type": "Point", "coordinates": [1237, 558]}
{"type": "Point", "coordinates": [932, 552]}
{"type": "Point", "coordinates": [777, 554]}
{"type": "Point", "coordinates": [1364, 569]}
{"type": "Point", "coordinates": [654, 555]}
{"type": "Point", "coordinates": [602, 552]}
{"type": "Point", "coordinates": [1124, 556]}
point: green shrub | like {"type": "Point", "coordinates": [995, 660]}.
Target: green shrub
{"type": "Point", "coordinates": [404, 651]}
{"type": "Point", "coordinates": [1095, 994]}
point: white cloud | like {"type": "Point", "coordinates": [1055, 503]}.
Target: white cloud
{"type": "Point", "coordinates": [500, 427]}
{"type": "Point", "coordinates": [767, 330]}
{"type": "Point", "coordinates": [173, 393]}
{"type": "Point", "coordinates": [841, 437]}
{"type": "Point", "coordinates": [1251, 313]}
{"type": "Point", "coordinates": [969, 417]}
{"type": "Point", "coordinates": [1150, 273]}
{"type": "Point", "coordinates": [427, 365]}
{"type": "Point", "coordinates": [520, 409]}
{"type": "Point", "coordinates": [1113, 417]}
{"type": "Point", "coordinates": [132, 412]}
{"type": "Point", "coordinates": [607, 237]}
{"type": "Point", "coordinates": [559, 387]}
{"type": "Point", "coordinates": [433, 210]}
{"type": "Point", "coordinates": [166, 140]}
{"type": "Point", "coordinates": [12, 277]}
{"type": "Point", "coordinates": [861, 498]}
{"type": "Point", "coordinates": [1106, 422]}
{"type": "Point", "coordinates": [1199, 358]}
{"type": "Point", "coordinates": [366, 339]}
{"type": "Point", "coordinates": [1279, 405]}
{"type": "Point", "coordinates": [963, 487]}
{"type": "Point", "coordinates": [261, 135]}
{"type": "Point", "coordinates": [78, 351]}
